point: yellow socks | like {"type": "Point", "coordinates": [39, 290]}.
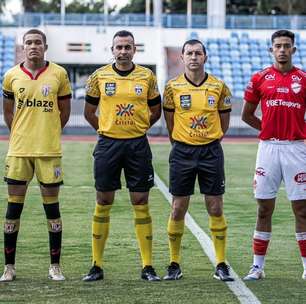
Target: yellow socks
{"type": "Point", "coordinates": [175, 233]}
{"type": "Point", "coordinates": [218, 226]}
{"type": "Point", "coordinates": [100, 229]}
{"type": "Point", "coordinates": [143, 227]}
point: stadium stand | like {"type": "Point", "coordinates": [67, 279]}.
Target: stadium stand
{"type": "Point", "coordinates": [7, 54]}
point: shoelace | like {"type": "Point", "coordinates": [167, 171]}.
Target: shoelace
{"type": "Point", "coordinates": [56, 270]}
{"type": "Point", "coordinates": [151, 270]}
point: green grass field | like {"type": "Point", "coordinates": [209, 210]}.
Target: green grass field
{"type": "Point", "coordinates": [122, 262]}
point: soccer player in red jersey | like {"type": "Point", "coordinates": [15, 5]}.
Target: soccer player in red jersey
{"type": "Point", "coordinates": [281, 92]}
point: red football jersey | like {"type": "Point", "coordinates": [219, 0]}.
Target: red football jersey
{"type": "Point", "coordinates": [282, 97]}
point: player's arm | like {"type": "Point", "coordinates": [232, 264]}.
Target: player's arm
{"type": "Point", "coordinates": [224, 119]}
{"type": "Point", "coordinates": [155, 109]}
{"type": "Point", "coordinates": [8, 111]}
{"type": "Point", "coordinates": [248, 115]}
{"type": "Point", "coordinates": [64, 106]}
{"type": "Point", "coordinates": [169, 118]}
{"type": "Point", "coordinates": [90, 114]}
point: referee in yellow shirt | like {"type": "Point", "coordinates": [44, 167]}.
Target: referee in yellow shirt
{"type": "Point", "coordinates": [197, 111]}
{"type": "Point", "coordinates": [129, 103]}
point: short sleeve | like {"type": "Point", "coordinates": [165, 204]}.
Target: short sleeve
{"type": "Point", "coordinates": [153, 87]}
{"type": "Point", "coordinates": [225, 102]}
{"type": "Point", "coordinates": [168, 101]}
{"type": "Point", "coordinates": [65, 87]}
{"type": "Point", "coordinates": [7, 86]}
{"type": "Point", "coordinates": [251, 93]}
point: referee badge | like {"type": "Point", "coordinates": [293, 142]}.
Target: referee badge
{"type": "Point", "coordinates": [110, 88]}
{"type": "Point", "coordinates": [211, 100]}
{"type": "Point", "coordinates": [185, 101]}
{"type": "Point", "coordinates": [138, 89]}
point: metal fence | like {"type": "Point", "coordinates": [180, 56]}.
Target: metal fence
{"type": "Point", "coordinates": [168, 20]}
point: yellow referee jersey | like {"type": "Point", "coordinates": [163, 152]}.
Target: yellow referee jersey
{"type": "Point", "coordinates": [196, 108]}
{"type": "Point", "coordinates": [36, 127]}
{"type": "Point", "coordinates": [124, 100]}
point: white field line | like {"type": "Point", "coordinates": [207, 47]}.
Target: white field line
{"type": "Point", "coordinates": [242, 292]}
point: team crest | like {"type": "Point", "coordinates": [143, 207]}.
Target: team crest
{"type": "Point", "coordinates": [45, 90]}
{"type": "Point", "coordinates": [57, 172]}
{"type": "Point", "coordinates": [138, 89]}
{"type": "Point", "coordinates": [110, 88]}
{"type": "Point", "coordinates": [211, 100]}
{"type": "Point", "coordinates": [185, 101]}
{"type": "Point", "coordinates": [296, 87]}
{"type": "Point", "coordinates": [227, 100]}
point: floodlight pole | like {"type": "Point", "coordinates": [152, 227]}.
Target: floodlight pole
{"type": "Point", "coordinates": [216, 10]}
{"type": "Point", "coordinates": [148, 12]}
{"type": "Point", "coordinates": [189, 13]}
{"type": "Point", "coordinates": [63, 12]}
{"type": "Point", "coordinates": [105, 12]}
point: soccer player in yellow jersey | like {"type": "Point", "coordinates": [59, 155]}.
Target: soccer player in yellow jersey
{"type": "Point", "coordinates": [129, 103]}
{"type": "Point", "coordinates": [36, 106]}
{"type": "Point", "coordinates": [197, 111]}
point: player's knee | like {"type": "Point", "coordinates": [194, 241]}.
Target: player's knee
{"type": "Point", "coordinates": [105, 198]}
{"type": "Point", "coordinates": [52, 211]}
{"type": "Point", "coordinates": [178, 213]}
{"type": "Point", "coordinates": [264, 212]}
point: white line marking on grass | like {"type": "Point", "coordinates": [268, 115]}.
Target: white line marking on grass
{"type": "Point", "coordinates": [242, 292]}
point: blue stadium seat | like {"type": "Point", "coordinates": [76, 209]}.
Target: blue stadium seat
{"type": "Point", "coordinates": [193, 35]}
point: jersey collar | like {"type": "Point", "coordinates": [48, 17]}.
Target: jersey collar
{"type": "Point", "coordinates": [196, 85]}
{"type": "Point", "coordinates": [123, 73]}
{"type": "Point", "coordinates": [293, 69]}
{"type": "Point", "coordinates": [40, 71]}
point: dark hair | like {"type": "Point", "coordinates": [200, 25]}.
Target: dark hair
{"type": "Point", "coordinates": [36, 31]}
{"type": "Point", "coordinates": [123, 34]}
{"type": "Point", "coordinates": [283, 33]}
{"type": "Point", "coordinates": [193, 42]}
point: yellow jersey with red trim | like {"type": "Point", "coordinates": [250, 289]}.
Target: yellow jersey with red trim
{"type": "Point", "coordinates": [197, 108]}
{"type": "Point", "coordinates": [123, 100]}
{"type": "Point", "coordinates": [36, 126]}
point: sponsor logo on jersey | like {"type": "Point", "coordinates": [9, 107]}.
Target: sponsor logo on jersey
{"type": "Point", "coordinates": [211, 100]}
{"type": "Point", "coordinates": [185, 101]}
{"type": "Point", "coordinates": [110, 88]}
{"type": "Point", "coordinates": [300, 178]}
{"type": "Point", "coordinates": [282, 90]}
{"type": "Point", "coordinates": [45, 90]}
{"type": "Point", "coordinates": [296, 78]}
{"type": "Point", "coordinates": [282, 103]}
{"type": "Point", "coordinates": [125, 109]}
{"type": "Point", "coordinates": [198, 122]}
{"type": "Point", "coordinates": [260, 171]}
{"type": "Point", "coordinates": [45, 104]}
{"type": "Point", "coordinates": [138, 89]}
{"type": "Point", "coordinates": [270, 77]}
{"type": "Point", "coordinates": [296, 87]}
{"type": "Point", "coordinates": [227, 101]}
{"type": "Point", "coordinates": [57, 172]}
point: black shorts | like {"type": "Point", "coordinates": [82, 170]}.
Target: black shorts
{"type": "Point", "coordinates": [132, 155]}
{"type": "Point", "coordinates": [189, 161]}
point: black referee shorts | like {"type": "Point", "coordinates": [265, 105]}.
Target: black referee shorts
{"type": "Point", "coordinates": [189, 161]}
{"type": "Point", "coordinates": [132, 155]}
